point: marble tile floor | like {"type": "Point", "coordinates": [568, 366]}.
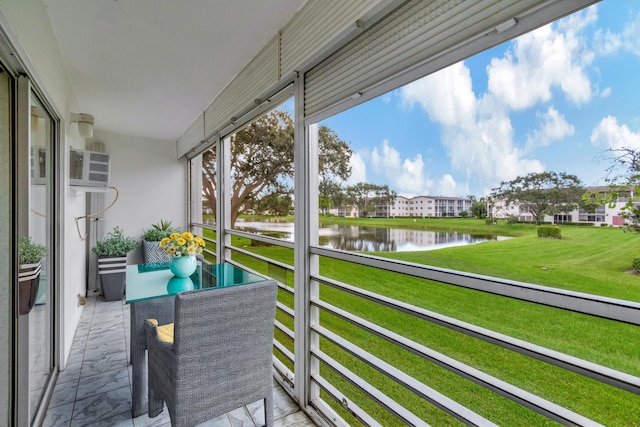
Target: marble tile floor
{"type": "Point", "coordinates": [95, 387]}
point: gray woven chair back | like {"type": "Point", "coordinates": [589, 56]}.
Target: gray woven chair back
{"type": "Point", "coordinates": [223, 342]}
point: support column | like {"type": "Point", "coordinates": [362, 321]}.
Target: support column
{"type": "Point", "coordinates": [223, 198]}
{"type": "Point", "coordinates": [306, 235]}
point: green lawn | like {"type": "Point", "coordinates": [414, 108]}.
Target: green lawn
{"type": "Point", "coordinates": [591, 260]}
{"type": "Point", "coordinates": [587, 259]}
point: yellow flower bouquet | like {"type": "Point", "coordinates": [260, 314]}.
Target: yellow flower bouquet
{"type": "Point", "coordinates": [182, 244]}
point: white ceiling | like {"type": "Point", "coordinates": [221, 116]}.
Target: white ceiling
{"type": "Point", "coordinates": [149, 67]}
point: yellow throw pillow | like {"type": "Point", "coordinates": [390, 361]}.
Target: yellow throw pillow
{"type": "Point", "coordinates": [165, 332]}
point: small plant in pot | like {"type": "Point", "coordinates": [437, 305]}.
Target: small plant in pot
{"type": "Point", "coordinates": [29, 256]}
{"type": "Point", "coordinates": [112, 262]}
{"type": "Point", "coordinates": [151, 238]}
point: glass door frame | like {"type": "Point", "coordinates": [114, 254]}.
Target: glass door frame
{"type": "Point", "coordinates": [25, 83]}
{"type": "Point", "coordinates": [25, 414]}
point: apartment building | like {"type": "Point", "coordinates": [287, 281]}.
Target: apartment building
{"type": "Point", "coordinates": [610, 214]}
{"type": "Point", "coordinates": [429, 206]}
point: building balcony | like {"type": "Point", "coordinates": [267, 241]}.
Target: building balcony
{"type": "Point", "coordinates": [359, 338]}
{"type": "Point", "coordinates": [95, 387]}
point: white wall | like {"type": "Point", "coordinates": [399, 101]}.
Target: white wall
{"type": "Point", "coordinates": [27, 26]}
{"type": "Point", "coordinates": [151, 183]}
{"type": "Point", "coordinates": [150, 179]}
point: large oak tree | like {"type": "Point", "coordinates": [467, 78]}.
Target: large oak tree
{"type": "Point", "coordinates": [365, 197]}
{"type": "Point", "coordinates": [546, 193]}
{"type": "Point", "coordinates": [262, 163]}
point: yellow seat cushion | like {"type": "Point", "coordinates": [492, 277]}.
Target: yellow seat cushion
{"type": "Point", "coordinates": [165, 332]}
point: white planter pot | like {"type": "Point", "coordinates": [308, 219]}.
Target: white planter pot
{"type": "Point", "coordinates": [28, 281]}
{"type": "Point", "coordinates": [113, 276]}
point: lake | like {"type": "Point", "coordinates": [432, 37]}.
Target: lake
{"type": "Point", "coordinates": [371, 239]}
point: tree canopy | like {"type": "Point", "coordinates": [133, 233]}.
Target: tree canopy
{"type": "Point", "coordinates": [366, 197]}
{"type": "Point", "coordinates": [546, 193]}
{"type": "Point", "coordinates": [331, 195]}
{"type": "Point", "coordinates": [262, 164]}
{"type": "Point", "coordinates": [478, 206]}
{"type": "Point", "coordinates": [624, 182]}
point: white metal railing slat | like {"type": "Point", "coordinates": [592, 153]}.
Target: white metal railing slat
{"type": "Point", "coordinates": [583, 367]}
{"type": "Point", "coordinates": [610, 308]}
{"type": "Point", "coordinates": [505, 389]}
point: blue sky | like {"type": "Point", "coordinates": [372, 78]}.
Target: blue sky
{"type": "Point", "coordinates": [552, 100]}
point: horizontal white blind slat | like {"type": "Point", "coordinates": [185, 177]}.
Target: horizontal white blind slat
{"type": "Point", "coordinates": [401, 55]}
{"type": "Point", "coordinates": [256, 78]}
{"type": "Point", "coordinates": [315, 26]}
{"type": "Point", "coordinates": [412, 34]}
{"type": "Point", "coordinates": [191, 137]}
{"type": "Point", "coordinates": [315, 30]}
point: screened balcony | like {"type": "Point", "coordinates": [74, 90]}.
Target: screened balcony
{"type": "Point", "coordinates": [95, 387]}
{"type": "Point", "coordinates": [362, 337]}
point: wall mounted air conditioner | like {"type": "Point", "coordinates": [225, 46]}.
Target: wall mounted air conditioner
{"type": "Point", "coordinates": [89, 170]}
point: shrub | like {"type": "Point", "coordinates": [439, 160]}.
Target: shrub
{"type": "Point", "coordinates": [550, 232]}
{"type": "Point", "coordinates": [158, 231]}
{"type": "Point", "coordinates": [116, 243]}
{"type": "Point", "coordinates": [512, 219]}
{"type": "Point", "coordinates": [489, 221]}
{"type": "Point", "coordinates": [636, 264]}
{"type": "Point", "coordinates": [30, 252]}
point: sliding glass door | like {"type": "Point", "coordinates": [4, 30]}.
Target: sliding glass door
{"type": "Point", "coordinates": [40, 214]}
{"type": "Point", "coordinates": [31, 137]}
{"type": "Point", "coordinates": [6, 244]}
{"type": "Point", "coordinates": [29, 208]}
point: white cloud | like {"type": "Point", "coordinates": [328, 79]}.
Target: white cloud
{"type": "Point", "coordinates": [358, 170]}
{"type": "Point", "coordinates": [607, 42]}
{"type": "Point", "coordinates": [388, 159]}
{"type": "Point", "coordinates": [606, 92]}
{"type": "Point", "coordinates": [447, 185]}
{"type": "Point", "coordinates": [631, 36]}
{"type": "Point", "coordinates": [476, 132]}
{"type": "Point", "coordinates": [405, 176]}
{"type": "Point", "coordinates": [446, 96]}
{"type": "Point", "coordinates": [554, 127]}
{"type": "Point", "coordinates": [577, 22]}
{"type": "Point", "coordinates": [612, 135]}
{"type": "Point", "coordinates": [412, 176]}
{"type": "Point", "coordinates": [540, 61]}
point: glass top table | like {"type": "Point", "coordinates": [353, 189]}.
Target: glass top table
{"type": "Point", "coordinates": [146, 281]}
{"type": "Point", "coordinates": [150, 291]}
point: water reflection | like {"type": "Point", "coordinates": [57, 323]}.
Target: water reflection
{"type": "Point", "coordinates": [371, 239]}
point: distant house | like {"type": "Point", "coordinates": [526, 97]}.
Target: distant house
{"type": "Point", "coordinates": [344, 211]}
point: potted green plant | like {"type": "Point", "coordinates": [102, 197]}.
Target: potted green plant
{"type": "Point", "coordinates": [151, 238]}
{"type": "Point", "coordinates": [112, 262]}
{"type": "Point", "coordinates": [29, 257]}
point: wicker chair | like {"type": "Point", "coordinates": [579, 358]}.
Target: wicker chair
{"type": "Point", "coordinates": [221, 355]}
